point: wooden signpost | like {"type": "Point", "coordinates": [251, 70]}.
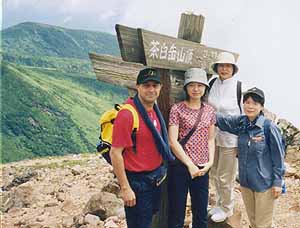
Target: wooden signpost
{"type": "Point", "coordinates": [171, 56]}
{"type": "Point", "coordinates": [165, 52]}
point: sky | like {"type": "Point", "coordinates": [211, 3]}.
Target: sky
{"type": "Point", "coordinates": [265, 33]}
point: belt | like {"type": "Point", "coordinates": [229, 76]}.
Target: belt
{"type": "Point", "coordinates": [142, 172]}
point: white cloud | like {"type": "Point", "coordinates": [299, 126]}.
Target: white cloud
{"type": "Point", "coordinates": [67, 19]}
{"type": "Point", "coordinates": [264, 33]}
{"type": "Point", "coordinates": [107, 15]}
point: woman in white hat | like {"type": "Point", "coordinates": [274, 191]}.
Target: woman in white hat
{"type": "Point", "coordinates": [194, 150]}
{"type": "Point", "coordinates": [223, 97]}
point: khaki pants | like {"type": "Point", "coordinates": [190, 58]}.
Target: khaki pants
{"type": "Point", "coordinates": [223, 173]}
{"type": "Point", "coordinates": [259, 207]}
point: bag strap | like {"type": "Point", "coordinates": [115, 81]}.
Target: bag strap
{"type": "Point", "coordinates": [184, 140]}
{"type": "Point", "coordinates": [211, 82]}
{"type": "Point", "coordinates": [239, 94]}
{"type": "Point", "coordinates": [135, 125]}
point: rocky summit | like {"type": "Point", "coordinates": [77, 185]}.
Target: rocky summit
{"type": "Point", "coordinates": [81, 191]}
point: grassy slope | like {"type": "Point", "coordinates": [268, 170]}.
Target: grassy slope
{"type": "Point", "coordinates": [51, 100]}
{"type": "Point", "coordinates": [49, 112]}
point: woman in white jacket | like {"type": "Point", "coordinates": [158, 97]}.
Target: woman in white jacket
{"type": "Point", "coordinates": [223, 97]}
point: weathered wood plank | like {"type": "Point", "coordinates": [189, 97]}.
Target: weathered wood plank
{"type": "Point", "coordinates": [191, 27]}
{"type": "Point", "coordinates": [167, 52]}
{"type": "Point", "coordinates": [114, 70]}
{"type": "Point", "coordinates": [129, 44]}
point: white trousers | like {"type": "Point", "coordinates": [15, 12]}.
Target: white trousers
{"type": "Point", "coordinates": [223, 174]}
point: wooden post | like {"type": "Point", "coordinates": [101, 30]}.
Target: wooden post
{"type": "Point", "coordinates": [190, 25]}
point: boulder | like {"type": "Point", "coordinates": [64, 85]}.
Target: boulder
{"type": "Point", "coordinates": [20, 179]}
{"type": "Point", "coordinates": [104, 205]}
{"type": "Point", "coordinates": [22, 196]}
{"type": "Point", "coordinates": [91, 219]}
{"type": "Point", "coordinates": [112, 187]}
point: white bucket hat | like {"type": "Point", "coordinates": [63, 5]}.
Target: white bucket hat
{"type": "Point", "coordinates": [225, 57]}
{"type": "Point", "coordinates": [195, 75]}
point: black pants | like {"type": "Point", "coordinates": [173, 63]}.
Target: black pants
{"type": "Point", "coordinates": [147, 195]}
{"type": "Point", "coordinates": [179, 183]}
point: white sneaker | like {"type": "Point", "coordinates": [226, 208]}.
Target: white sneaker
{"type": "Point", "coordinates": [219, 216]}
{"type": "Point", "coordinates": [214, 211]}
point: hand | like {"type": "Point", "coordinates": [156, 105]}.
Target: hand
{"type": "Point", "coordinates": [204, 170]}
{"type": "Point", "coordinates": [193, 170]}
{"type": "Point", "coordinates": [276, 191]}
{"type": "Point", "coordinates": [128, 197]}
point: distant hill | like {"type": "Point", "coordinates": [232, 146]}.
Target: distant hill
{"type": "Point", "coordinates": [51, 100]}
{"type": "Point", "coordinates": [35, 39]}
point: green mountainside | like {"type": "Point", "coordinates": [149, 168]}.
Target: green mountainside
{"type": "Point", "coordinates": [50, 98]}
{"type": "Point", "coordinates": [34, 39]}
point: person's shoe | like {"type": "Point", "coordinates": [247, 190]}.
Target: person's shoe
{"type": "Point", "coordinates": [220, 216]}
{"type": "Point", "coordinates": [214, 211]}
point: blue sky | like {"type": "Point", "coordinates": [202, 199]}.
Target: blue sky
{"type": "Point", "coordinates": [264, 32]}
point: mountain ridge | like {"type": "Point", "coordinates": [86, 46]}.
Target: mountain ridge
{"type": "Point", "coordinates": [36, 39]}
{"type": "Point", "coordinates": [51, 100]}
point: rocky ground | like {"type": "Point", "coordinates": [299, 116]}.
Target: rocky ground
{"type": "Point", "coordinates": [80, 191]}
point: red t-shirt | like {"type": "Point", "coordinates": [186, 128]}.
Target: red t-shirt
{"type": "Point", "coordinates": [147, 157]}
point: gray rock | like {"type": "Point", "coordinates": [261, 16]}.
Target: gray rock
{"type": "Point", "coordinates": [91, 219]}
{"type": "Point", "coordinates": [76, 170]}
{"type": "Point", "coordinates": [103, 204]}
{"type": "Point", "coordinates": [21, 196]}
{"type": "Point", "coordinates": [18, 180]}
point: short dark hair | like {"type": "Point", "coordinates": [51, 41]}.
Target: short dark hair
{"type": "Point", "coordinates": [187, 96]}
{"type": "Point", "coordinates": [255, 97]}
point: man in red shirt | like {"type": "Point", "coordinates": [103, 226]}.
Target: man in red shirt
{"type": "Point", "coordinates": [140, 171]}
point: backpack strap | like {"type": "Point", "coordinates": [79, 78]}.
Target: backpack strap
{"type": "Point", "coordinates": [134, 114]}
{"type": "Point", "coordinates": [135, 126]}
{"type": "Point", "coordinates": [211, 82]}
{"type": "Point", "coordinates": [267, 125]}
{"type": "Point", "coordinates": [239, 94]}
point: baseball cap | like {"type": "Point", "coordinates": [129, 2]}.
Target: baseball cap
{"type": "Point", "coordinates": [256, 91]}
{"type": "Point", "coordinates": [148, 74]}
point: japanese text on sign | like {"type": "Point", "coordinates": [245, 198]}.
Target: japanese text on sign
{"type": "Point", "coordinates": [170, 52]}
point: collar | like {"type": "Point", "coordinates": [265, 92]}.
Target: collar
{"type": "Point", "coordinates": [259, 121]}
{"type": "Point", "coordinates": [226, 81]}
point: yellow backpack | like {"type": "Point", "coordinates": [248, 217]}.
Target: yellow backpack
{"type": "Point", "coordinates": [106, 122]}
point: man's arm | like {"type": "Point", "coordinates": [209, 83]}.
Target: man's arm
{"type": "Point", "coordinates": [117, 160]}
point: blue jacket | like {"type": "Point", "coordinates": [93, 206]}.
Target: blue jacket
{"type": "Point", "coordinates": [261, 160]}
